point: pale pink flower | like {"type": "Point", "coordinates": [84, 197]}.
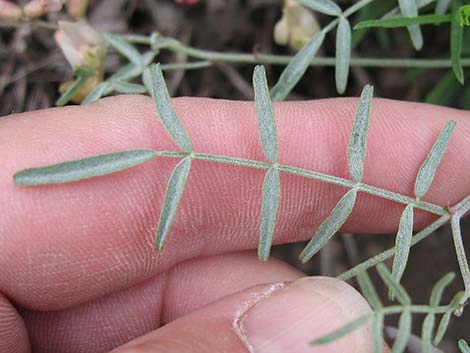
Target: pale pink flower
{"type": "Point", "coordinates": [296, 27]}
{"type": "Point", "coordinates": [38, 8]}
{"type": "Point", "coordinates": [10, 11]}
{"type": "Point", "coordinates": [81, 44]}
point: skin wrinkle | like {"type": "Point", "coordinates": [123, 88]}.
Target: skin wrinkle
{"type": "Point", "coordinates": [13, 334]}
{"type": "Point", "coordinates": [49, 202]}
{"type": "Point", "coordinates": [151, 304]}
{"type": "Point", "coordinates": [114, 320]}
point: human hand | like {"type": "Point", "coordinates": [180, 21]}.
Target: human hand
{"type": "Point", "coordinates": [78, 268]}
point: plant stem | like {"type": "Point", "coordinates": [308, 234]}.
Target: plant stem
{"type": "Point", "coordinates": [390, 252]}
{"type": "Point", "coordinates": [418, 309]}
{"type": "Point", "coordinates": [444, 213]}
{"type": "Point", "coordinates": [246, 58]}
{"type": "Point", "coordinates": [186, 66]}
{"type": "Point", "coordinates": [331, 179]}
{"type": "Point", "coordinates": [461, 257]}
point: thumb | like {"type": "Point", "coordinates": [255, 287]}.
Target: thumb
{"type": "Point", "coordinates": [274, 318]}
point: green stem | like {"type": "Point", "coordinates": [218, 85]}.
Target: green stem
{"type": "Point", "coordinates": [71, 90]}
{"type": "Point", "coordinates": [390, 252]}
{"type": "Point", "coordinates": [417, 309]}
{"type": "Point", "coordinates": [461, 257]}
{"type": "Point", "coordinates": [186, 66]}
{"type": "Point", "coordinates": [245, 58]}
{"type": "Point", "coordinates": [331, 179]}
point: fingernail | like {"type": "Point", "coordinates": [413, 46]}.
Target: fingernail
{"type": "Point", "coordinates": [289, 318]}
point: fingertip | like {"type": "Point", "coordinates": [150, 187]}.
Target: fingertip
{"type": "Point", "coordinates": [304, 310]}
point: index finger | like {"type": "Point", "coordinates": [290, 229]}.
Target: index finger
{"type": "Point", "coordinates": [66, 244]}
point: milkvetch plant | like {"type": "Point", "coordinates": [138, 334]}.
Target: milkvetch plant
{"type": "Point", "coordinates": [101, 165]}
{"type": "Point", "coordinates": [140, 75]}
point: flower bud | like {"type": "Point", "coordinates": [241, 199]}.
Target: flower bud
{"type": "Point", "coordinates": [81, 44]}
{"type": "Point", "coordinates": [10, 11]}
{"type": "Point", "coordinates": [296, 26]}
{"type": "Point", "coordinates": [38, 8]}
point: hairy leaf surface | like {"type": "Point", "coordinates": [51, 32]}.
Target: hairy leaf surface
{"type": "Point", "coordinates": [96, 93]}
{"type": "Point", "coordinates": [270, 205]}
{"type": "Point", "coordinates": [439, 287]}
{"type": "Point", "coordinates": [427, 333]}
{"type": "Point", "coordinates": [343, 54]}
{"type": "Point", "coordinates": [408, 8]}
{"type": "Point", "coordinates": [358, 141]}
{"type": "Point", "coordinates": [368, 290]}
{"type": "Point", "coordinates": [326, 7]}
{"type": "Point", "coordinates": [400, 292]}
{"type": "Point", "coordinates": [377, 332]}
{"type": "Point", "coordinates": [330, 226]}
{"type": "Point", "coordinates": [429, 167]}
{"type": "Point", "coordinates": [265, 113]}
{"type": "Point", "coordinates": [173, 194]}
{"type": "Point", "coordinates": [125, 49]}
{"type": "Point", "coordinates": [83, 168]}
{"type": "Point", "coordinates": [296, 68]}
{"type": "Point", "coordinates": [402, 243]}
{"type": "Point", "coordinates": [342, 331]}
{"type": "Point", "coordinates": [442, 328]}
{"type": "Point", "coordinates": [404, 332]}
{"type": "Point", "coordinates": [170, 120]}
